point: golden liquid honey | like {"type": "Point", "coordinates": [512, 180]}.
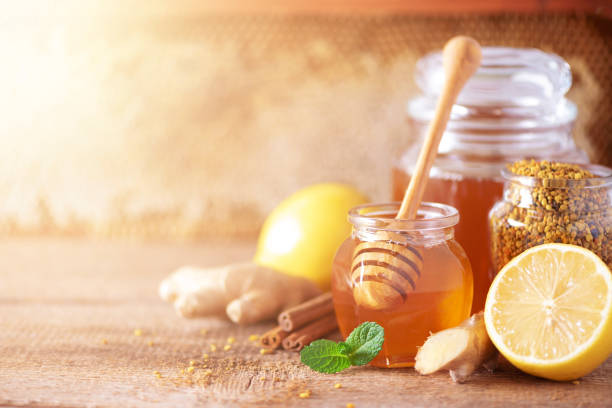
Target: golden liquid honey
{"type": "Point", "coordinates": [473, 198]}
{"type": "Point", "coordinates": [442, 298]}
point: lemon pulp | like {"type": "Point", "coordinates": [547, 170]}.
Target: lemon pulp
{"type": "Point", "coordinates": [548, 311]}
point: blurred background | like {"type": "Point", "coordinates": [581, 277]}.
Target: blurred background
{"type": "Point", "coordinates": [151, 119]}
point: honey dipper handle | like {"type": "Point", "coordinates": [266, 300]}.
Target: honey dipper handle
{"type": "Point", "coordinates": [461, 58]}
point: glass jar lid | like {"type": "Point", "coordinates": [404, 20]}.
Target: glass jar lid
{"type": "Point", "coordinates": [513, 88]}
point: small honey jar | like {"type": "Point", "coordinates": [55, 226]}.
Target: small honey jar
{"type": "Point", "coordinates": [409, 276]}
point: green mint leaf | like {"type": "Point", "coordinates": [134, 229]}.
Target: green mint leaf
{"type": "Point", "coordinates": [365, 343]}
{"type": "Point", "coordinates": [344, 348]}
{"type": "Point", "coordinates": [325, 356]}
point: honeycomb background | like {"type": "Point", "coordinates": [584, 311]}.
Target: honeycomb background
{"type": "Point", "coordinates": [188, 127]}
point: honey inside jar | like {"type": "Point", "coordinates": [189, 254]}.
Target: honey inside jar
{"type": "Point", "coordinates": [473, 197]}
{"type": "Point", "coordinates": [434, 295]}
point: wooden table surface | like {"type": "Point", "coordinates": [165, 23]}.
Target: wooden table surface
{"type": "Point", "coordinates": [69, 308]}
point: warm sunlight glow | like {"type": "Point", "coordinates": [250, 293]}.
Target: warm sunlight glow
{"type": "Point", "coordinates": [283, 236]}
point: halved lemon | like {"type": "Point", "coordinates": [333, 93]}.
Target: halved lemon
{"type": "Point", "coordinates": [549, 311]}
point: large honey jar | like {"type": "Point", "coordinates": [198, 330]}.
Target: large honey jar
{"type": "Point", "coordinates": [514, 107]}
{"type": "Point", "coordinates": [409, 276]}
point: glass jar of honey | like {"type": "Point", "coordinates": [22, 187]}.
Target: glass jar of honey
{"type": "Point", "coordinates": [411, 277]}
{"type": "Point", "coordinates": [567, 203]}
{"type": "Point", "coordinates": [512, 108]}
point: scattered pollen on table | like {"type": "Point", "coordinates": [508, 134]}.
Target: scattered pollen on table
{"type": "Point", "coordinates": [227, 347]}
{"type": "Point", "coordinates": [213, 347]}
{"type": "Point", "coordinates": [231, 340]}
{"type": "Point", "coordinates": [265, 351]}
{"type": "Point", "coordinates": [337, 385]}
{"type": "Point", "coordinates": [305, 394]}
{"type": "Point", "coordinates": [137, 332]}
{"type": "Point", "coordinates": [254, 337]}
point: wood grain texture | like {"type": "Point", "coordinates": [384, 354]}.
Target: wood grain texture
{"type": "Point", "coordinates": [60, 298]}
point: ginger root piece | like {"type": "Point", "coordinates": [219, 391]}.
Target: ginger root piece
{"type": "Point", "coordinates": [461, 350]}
{"type": "Point", "coordinates": [246, 292]}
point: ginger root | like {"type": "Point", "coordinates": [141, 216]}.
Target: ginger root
{"type": "Point", "coordinates": [246, 292]}
{"type": "Point", "coordinates": [461, 350]}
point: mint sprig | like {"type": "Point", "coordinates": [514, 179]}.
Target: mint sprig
{"type": "Point", "coordinates": [325, 356]}
{"type": "Point", "coordinates": [361, 346]}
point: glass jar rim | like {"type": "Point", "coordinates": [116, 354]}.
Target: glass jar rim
{"type": "Point", "coordinates": [603, 179]}
{"type": "Point", "coordinates": [381, 216]}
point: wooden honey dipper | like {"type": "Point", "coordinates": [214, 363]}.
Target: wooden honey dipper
{"type": "Point", "coordinates": [383, 272]}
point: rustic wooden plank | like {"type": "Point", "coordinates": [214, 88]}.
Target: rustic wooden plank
{"type": "Point", "coordinates": [60, 298]}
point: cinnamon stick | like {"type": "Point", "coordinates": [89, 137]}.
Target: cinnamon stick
{"type": "Point", "coordinates": [297, 340]}
{"type": "Point", "coordinates": [272, 339]}
{"type": "Point", "coordinates": [309, 311]}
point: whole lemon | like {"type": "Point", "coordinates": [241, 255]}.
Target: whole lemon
{"type": "Point", "coordinates": [302, 234]}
